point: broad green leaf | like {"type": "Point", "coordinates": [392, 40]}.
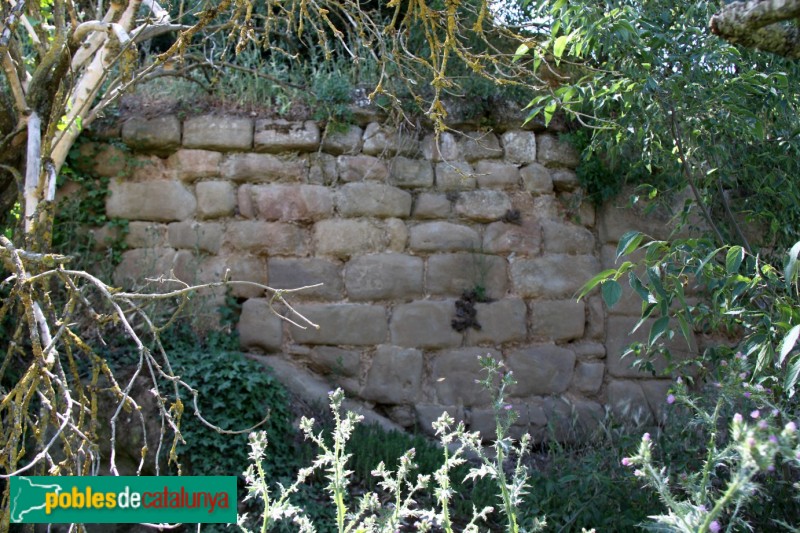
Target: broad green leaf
{"type": "Point", "coordinates": [628, 243]}
{"type": "Point", "coordinates": [791, 377]}
{"type": "Point", "coordinates": [592, 283]}
{"type": "Point", "coordinates": [788, 343]}
{"type": "Point", "coordinates": [658, 329]}
{"type": "Point", "coordinates": [612, 292]}
{"type": "Point", "coordinates": [549, 111]}
{"type": "Point", "coordinates": [560, 45]}
{"type": "Point", "coordinates": [685, 329]}
{"type": "Point", "coordinates": [733, 259]}
{"type": "Point", "coordinates": [521, 51]}
{"type": "Point", "coordinates": [790, 271]}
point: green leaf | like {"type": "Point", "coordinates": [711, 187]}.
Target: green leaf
{"type": "Point", "coordinates": [658, 329]}
{"type": "Point", "coordinates": [612, 292]}
{"type": "Point", "coordinates": [734, 258]}
{"type": "Point", "coordinates": [791, 377]}
{"type": "Point", "coordinates": [549, 111]}
{"type": "Point", "coordinates": [521, 51]}
{"type": "Point", "coordinates": [685, 330]}
{"type": "Point", "coordinates": [790, 271]}
{"type": "Point", "coordinates": [788, 343]}
{"type": "Point", "coordinates": [560, 45]}
{"type": "Point", "coordinates": [628, 243]}
{"type": "Point", "coordinates": [592, 283]}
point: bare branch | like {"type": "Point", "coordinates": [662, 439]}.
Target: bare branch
{"type": "Point", "coordinates": [760, 24]}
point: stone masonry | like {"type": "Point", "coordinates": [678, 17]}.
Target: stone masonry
{"type": "Point", "coordinates": [396, 227]}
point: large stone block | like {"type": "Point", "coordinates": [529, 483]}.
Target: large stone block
{"type": "Point", "coordinates": [552, 152]}
{"type": "Point", "coordinates": [558, 320]}
{"type": "Point", "coordinates": [347, 142]}
{"type": "Point", "coordinates": [136, 265]}
{"type": "Point", "coordinates": [479, 145]}
{"type": "Point", "coordinates": [336, 361]}
{"type": "Point", "coordinates": [566, 238]}
{"type": "Point", "coordinates": [247, 268]}
{"type": "Point", "coordinates": [523, 239]}
{"type": "Point", "coordinates": [452, 274]}
{"type": "Point", "coordinates": [443, 149]}
{"type": "Point", "coordinates": [195, 269]}
{"type": "Point", "coordinates": [277, 136]}
{"type": "Point", "coordinates": [244, 197]}
{"type": "Point", "coordinates": [372, 199]}
{"type": "Point", "coordinates": [146, 235]}
{"type": "Point", "coordinates": [483, 205]}
{"type": "Point", "coordinates": [386, 141]}
{"type": "Point", "coordinates": [273, 238]}
{"type": "Point", "coordinates": [396, 235]}
{"type": "Point", "coordinates": [292, 273]}
{"type": "Point", "coordinates": [495, 174]}
{"type": "Point", "coordinates": [291, 203]}
{"type": "Point", "coordinates": [321, 169]}
{"type": "Point", "coordinates": [536, 179]}
{"type": "Point", "coordinates": [190, 165]}
{"type": "Point", "coordinates": [260, 328]}
{"type": "Point", "coordinates": [656, 392]}
{"type": "Point", "coordinates": [424, 324]}
{"type": "Point", "coordinates": [541, 370]}
{"type": "Point", "coordinates": [215, 199]}
{"type": "Point", "coordinates": [105, 160]}
{"type": "Point", "coordinates": [432, 205]}
{"type": "Point", "coordinates": [619, 336]}
{"type": "Point", "coordinates": [589, 377]}
{"type": "Point", "coordinates": [456, 374]}
{"type": "Point", "coordinates": [394, 376]}
{"type": "Point", "coordinates": [617, 217]}
{"type": "Point", "coordinates": [343, 238]}
{"type": "Point", "coordinates": [501, 321]}
{"type": "Point", "coordinates": [157, 200]}
{"type": "Point", "coordinates": [565, 180]}
{"type": "Point", "coordinates": [454, 176]}
{"type": "Point", "coordinates": [264, 168]}
{"type": "Point", "coordinates": [628, 403]}
{"type": "Point", "coordinates": [552, 276]}
{"type": "Point", "coordinates": [159, 135]}
{"type": "Point", "coordinates": [410, 173]}
{"type": "Point", "coordinates": [203, 236]}
{"type": "Point", "coordinates": [384, 277]}
{"type": "Point", "coordinates": [218, 133]}
{"type": "Point", "coordinates": [443, 237]}
{"type": "Point", "coordinates": [361, 168]}
{"type": "Point", "coordinates": [520, 146]}
{"type": "Point", "coordinates": [356, 324]}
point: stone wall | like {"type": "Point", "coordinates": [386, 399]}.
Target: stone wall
{"type": "Point", "coordinates": [396, 228]}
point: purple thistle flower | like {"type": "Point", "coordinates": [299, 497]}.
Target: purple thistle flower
{"type": "Point", "coordinates": [737, 418]}
{"type": "Point", "coordinates": [755, 414]}
{"type": "Point", "coordinates": [775, 412]}
{"type": "Point", "coordinates": [626, 461]}
{"type": "Point", "coordinates": [773, 439]}
{"type": "Point", "coordinates": [671, 399]}
{"type": "Point", "coordinates": [714, 527]}
{"type": "Point", "coordinates": [723, 363]}
{"type": "Point", "coordinates": [746, 394]}
{"type": "Point", "coordinates": [646, 437]}
{"type": "Point", "coordinates": [763, 424]}
{"type": "Point", "coordinates": [791, 427]}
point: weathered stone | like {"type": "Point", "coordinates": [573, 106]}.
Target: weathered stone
{"type": "Point", "coordinates": [274, 238]}
{"type": "Point", "coordinates": [483, 421]}
{"type": "Point", "coordinates": [215, 199]}
{"type": "Point", "coordinates": [384, 277]}
{"type": "Point", "coordinates": [159, 135]}
{"type": "Point", "coordinates": [194, 269]}
{"type": "Point", "coordinates": [501, 321]}
{"type": "Point", "coordinates": [589, 377]}
{"type": "Point", "coordinates": [402, 414]}
{"type": "Point", "coordinates": [536, 179]}
{"type": "Point", "coordinates": [205, 236]}
{"type": "Point", "coordinates": [617, 217]}
{"type": "Point", "coordinates": [410, 173]}
{"type": "Point", "coordinates": [337, 361]}
{"type": "Point", "coordinates": [247, 268]}
{"type": "Point", "coordinates": [348, 142]}
{"type": "Point", "coordinates": [278, 135]}
{"type": "Point", "coordinates": [292, 273]}
{"type": "Point", "coordinates": [552, 276]}
{"type": "Point", "coordinates": [566, 238]}
{"type": "Point", "coordinates": [136, 265]}
{"type": "Point", "coordinates": [656, 392]}
{"type": "Point", "coordinates": [520, 146]}
{"type": "Point", "coordinates": [386, 141]}
{"type": "Point", "coordinates": [190, 165]}
{"type": "Point", "coordinates": [481, 146]}
{"type": "Point", "coordinates": [442, 237]}
{"type": "Point", "coordinates": [456, 374]}
{"type": "Point", "coordinates": [395, 375]}
{"type": "Point", "coordinates": [157, 200]}
{"type": "Point", "coordinates": [108, 161]}
{"type": "Point", "coordinates": [343, 238]}
{"type": "Point", "coordinates": [218, 133]}
{"type": "Point", "coordinates": [427, 414]}
{"type": "Point", "coordinates": [259, 327]}
{"type": "Point", "coordinates": [457, 176]}
{"type": "Point", "coordinates": [619, 336]}
{"type": "Point", "coordinates": [244, 198]}
{"type": "Point", "coordinates": [361, 168]}
{"type": "Point", "coordinates": [424, 324]}
{"type": "Point", "coordinates": [356, 324]}
{"type": "Point", "coordinates": [546, 369]}
{"type": "Point", "coordinates": [523, 239]}
{"type": "Point", "coordinates": [565, 180]}
{"type": "Point", "coordinates": [146, 235]}
{"type": "Point", "coordinates": [291, 203]}
{"type": "Point", "coordinates": [452, 274]}
{"type": "Point", "coordinates": [483, 205]}
{"type": "Point", "coordinates": [495, 174]}
{"type": "Point", "coordinates": [628, 403]}
{"type": "Point", "coordinates": [396, 235]}
{"type": "Point", "coordinates": [432, 205]}
{"type": "Point", "coordinates": [552, 152]}
{"type": "Point", "coordinates": [263, 168]}
{"type": "Point", "coordinates": [558, 320]}
{"type": "Point", "coordinates": [596, 320]}
{"type": "Point", "coordinates": [372, 199]}
{"type": "Point", "coordinates": [321, 169]}
{"type": "Point", "coordinates": [588, 351]}
{"type": "Point", "coordinates": [149, 168]}
{"type": "Point", "coordinates": [446, 149]}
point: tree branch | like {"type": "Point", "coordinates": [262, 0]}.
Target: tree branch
{"type": "Point", "coordinates": [760, 24]}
